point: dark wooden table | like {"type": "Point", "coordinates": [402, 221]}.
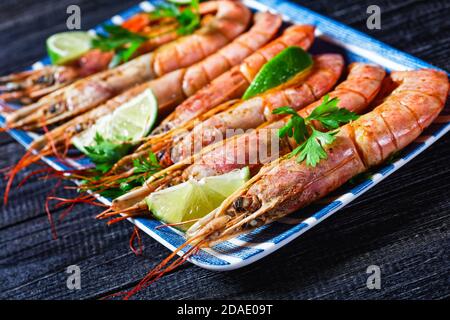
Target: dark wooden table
{"type": "Point", "coordinates": [400, 225]}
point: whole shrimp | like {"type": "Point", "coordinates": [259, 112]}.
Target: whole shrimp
{"type": "Point", "coordinates": [28, 86]}
{"type": "Point", "coordinates": [359, 145]}
{"type": "Point", "coordinates": [356, 93]}
{"type": "Point", "coordinates": [172, 88]}
{"type": "Point", "coordinates": [243, 115]}
{"type": "Point", "coordinates": [231, 20]}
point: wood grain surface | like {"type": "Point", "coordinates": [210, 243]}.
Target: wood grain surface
{"type": "Point", "coordinates": [400, 225]}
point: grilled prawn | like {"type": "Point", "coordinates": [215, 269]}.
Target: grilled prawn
{"type": "Point", "coordinates": [231, 20]}
{"type": "Point", "coordinates": [252, 113]}
{"type": "Point", "coordinates": [284, 185]}
{"type": "Point", "coordinates": [28, 86]}
{"type": "Point", "coordinates": [359, 145]}
{"type": "Point", "coordinates": [233, 83]}
{"type": "Point", "coordinates": [355, 94]}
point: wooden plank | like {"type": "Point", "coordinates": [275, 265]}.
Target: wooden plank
{"type": "Point", "coordinates": [400, 225]}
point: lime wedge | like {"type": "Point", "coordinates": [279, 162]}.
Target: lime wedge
{"type": "Point", "coordinates": [281, 68]}
{"type": "Point", "coordinates": [67, 46]}
{"type": "Point", "coordinates": [128, 123]}
{"type": "Point", "coordinates": [180, 1]}
{"type": "Point", "coordinates": [86, 138]}
{"type": "Point", "coordinates": [134, 119]}
{"type": "Point", "coordinates": [195, 199]}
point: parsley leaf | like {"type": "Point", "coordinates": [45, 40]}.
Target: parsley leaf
{"type": "Point", "coordinates": [188, 18]}
{"type": "Point", "coordinates": [120, 40]}
{"type": "Point", "coordinates": [125, 43]}
{"type": "Point", "coordinates": [116, 38]}
{"type": "Point", "coordinates": [330, 115]}
{"type": "Point", "coordinates": [148, 165]}
{"type": "Point", "coordinates": [285, 110]}
{"type": "Point", "coordinates": [311, 141]}
{"type": "Point", "coordinates": [296, 126]}
{"type": "Point", "coordinates": [143, 169]}
{"type": "Point", "coordinates": [168, 10]}
{"type": "Point", "coordinates": [105, 153]}
{"type": "Point", "coordinates": [313, 148]}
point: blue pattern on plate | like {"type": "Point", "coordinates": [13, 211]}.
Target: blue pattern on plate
{"type": "Point", "coordinates": [241, 252]}
{"type": "Point", "coordinates": [385, 170]}
{"type": "Point", "coordinates": [335, 204]}
{"type": "Point", "coordinates": [292, 231]}
{"type": "Point", "coordinates": [250, 247]}
{"type": "Point", "coordinates": [362, 186]}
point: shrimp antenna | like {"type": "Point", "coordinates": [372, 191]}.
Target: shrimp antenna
{"type": "Point", "coordinates": [29, 158]}
{"type": "Point", "coordinates": [164, 267]}
{"type": "Point", "coordinates": [136, 235]}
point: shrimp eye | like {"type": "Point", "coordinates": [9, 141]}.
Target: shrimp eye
{"type": "Point", "coordinates": [78, 128]}
{"type": "Point", "coordinates": [52, 109]}
{"type": "Point", "coordinates": [238, 204]}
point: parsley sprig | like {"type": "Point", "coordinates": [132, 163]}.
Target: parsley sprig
{"type": "Point", "coordinates": [143, 169]}
{"type": "Point", "coordinates": [146, 165]}
{"type": "Point", "coordinates": [125, 43]}
{"type": "Point", "coordinates": [310, 140]}
{"type": "Point", "coordinates": [188, 18]}
{"type": "Point", "coordinates": [104, 153]}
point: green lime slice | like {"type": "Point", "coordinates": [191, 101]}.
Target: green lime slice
{"type": "Point", "coordinates": [281, 68]}
{"type": "Point", "coordinates": [86, 138]}
{"type": "Point", "coordinates": [128, 123]}
{"type": "Point", "coordinates": [135, 119]}
{"type": "Point", "coordinates": [67, 46]}
{"type": "Point", "coordinates": [226, 184]}
{"type": "Point", "coordinates": [180, 1]}
{"type": "Point", "coordinates": [195, 199]}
